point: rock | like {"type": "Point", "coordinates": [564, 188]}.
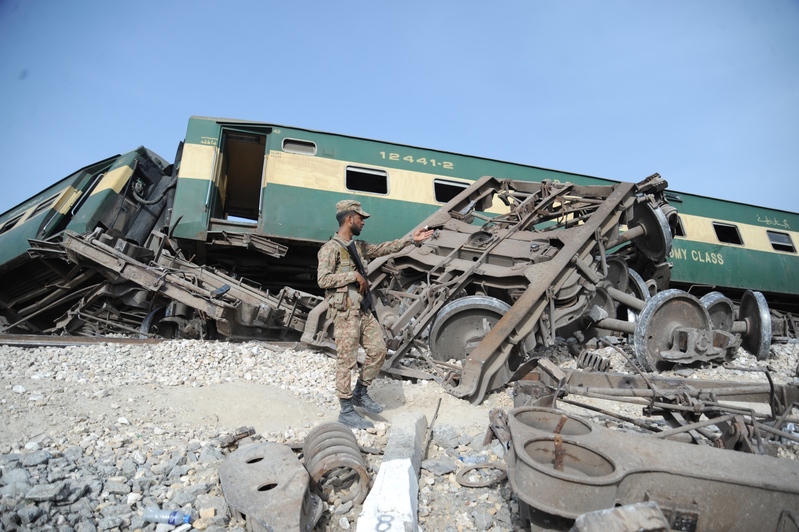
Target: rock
{"type": "Point", "coordinates": [343, 508]}
{"type": "Point", "coordinates": [16, 474]}
{"type": "Point", "coordinates": [36, 458]}
{"type": "Point", "coordinates": [48, 492]}
{"type": "Point", "coordinates": [85, 526]}
{"type": "Point", "coordinates": [483, 520]}
{"type": "Point", "coordinates": [18, 388]}
{"type": "Point", "coordinates": [117, 488]}
{"type": "Point", "coordinates": [138, 458]}
{"type": "Point", "coordinates": [209, 455]}
{"type": "Point", "coordinates": [28, 514]}
{"type": "Point", "coordinates": [445, 436]}
{"type": "Point", "coordinates": [439, 466]}
{"type": "Point", "coordinates": [107, 523]}
{"type": "Point", "coordinates": [15, 489]}
{"type": "Point", "coordinates": [73, 453]}
{"type": "Point", "coordinates": [202, 523]}
{"type": "Point", "coordinates": [206, 502]}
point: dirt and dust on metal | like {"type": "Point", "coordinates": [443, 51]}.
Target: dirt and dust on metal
{"type": "Point", "coordinates": [516, 266]}
{"type": "Point", "coordinates": [475, 307]}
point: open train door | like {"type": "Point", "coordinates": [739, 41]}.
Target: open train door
{"type": "Point", "coordinates": [220, 180]}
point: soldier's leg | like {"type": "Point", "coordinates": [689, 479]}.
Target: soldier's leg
{"type": "Point", "coordinates": [375, 346]}
{"type": "Point", "coordinates": [347, 329]}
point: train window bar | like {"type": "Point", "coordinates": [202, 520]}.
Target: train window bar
{"type": "Point", "coordinates": [444, 191]}
{"type": "Point", "coordinates": [366, 180]}
{"type": "Point", "coordinates": [302, 147]}
{"type": "Point", "coordinates": [728, 234]}
{"type": "Point", "coordinates": [781, 241]}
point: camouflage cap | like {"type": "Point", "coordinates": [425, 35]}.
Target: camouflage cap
{"type": "Point", "coordinates": [351, 205]}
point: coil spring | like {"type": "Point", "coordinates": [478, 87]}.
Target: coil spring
{"type": "Point", "coordinates": [332, 458]}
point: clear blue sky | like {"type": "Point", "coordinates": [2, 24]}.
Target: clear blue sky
{"type": "Point", "coordinates": [704, 92]}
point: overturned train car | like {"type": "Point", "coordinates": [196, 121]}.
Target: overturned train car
{"type": "Point", "coordinates": [208, 246]}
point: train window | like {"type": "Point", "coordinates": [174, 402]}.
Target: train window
{"type": "Point", "coordinates": [303, 147]}
{"type": "Point", "coordinates": [727, 233]}
{"type": "Point", "coordinates": [781, 241]}
{"type": "Point", "coordinates": [44, 205]}
{"type": "Point", "coordinates": [10, 224]}
{"type": "Point", "coordinates": [446, 190]}
{"type": "Point", "coordinates": [367, 180]}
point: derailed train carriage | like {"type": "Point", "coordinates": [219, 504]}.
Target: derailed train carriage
{"type": "Point", "coordinates": [223, 243]}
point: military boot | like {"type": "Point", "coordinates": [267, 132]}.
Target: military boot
{"type": "Point", "coordinates": [350, 417]}
{"type": "Point", "coordinates": [361, 398]}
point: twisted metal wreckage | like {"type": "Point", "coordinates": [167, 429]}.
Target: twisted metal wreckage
{"type": "Point", "coordinates": [546, 260]}
{"type": "Point", "coordinates": [512, 267]}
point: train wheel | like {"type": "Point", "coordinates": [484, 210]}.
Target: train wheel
{"type": "Point", "coordinates": [663, 313]}
{"type": "Point", "coordinates": [154, 325]}
{"type": "Point", "coordinates": [721, 310]}
{"type": "Point", "coordinates": [655, 244]}
{"type": "Point", "coordinates": [637, 286]}
{"type": "Point", "coordinates": [754, 311]}
{"type": "Point", "coordinates": [618, 274]}
{"type": "Point", "coordinates": [462, 324]}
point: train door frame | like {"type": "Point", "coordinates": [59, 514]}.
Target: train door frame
{"type": "Point", "coordinates": [239, 178]}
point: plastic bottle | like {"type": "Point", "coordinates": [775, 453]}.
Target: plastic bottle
{"type": "Point", "coordinates": [172, 517]}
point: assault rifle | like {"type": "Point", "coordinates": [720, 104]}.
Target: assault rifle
{"type": "Point", "coordinates": [367, 304]}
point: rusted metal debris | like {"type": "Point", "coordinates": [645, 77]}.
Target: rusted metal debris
{"type": "Point", "coordinates": [238, 435]}
{"type": "Point", "coordinates": [333, 459]}
{"type": "Point", "coordinates": [192, 297]}
{"type": "Point", "coordinates": [694, 485]}
{"type": "Point", "coordinates": [561, 465]}
{"type": "Point", "coordinates": [269, 487]}
{"type": "Point", "coordinates": [515, 265]}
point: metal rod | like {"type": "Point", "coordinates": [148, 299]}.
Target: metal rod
{"type": "Point", "coordinates": [693, 426]}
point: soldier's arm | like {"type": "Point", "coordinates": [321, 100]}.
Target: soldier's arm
{"type": "Point", "coordinates": [326, 275]}
{"type": "Point", "coordinates": [372, 251]}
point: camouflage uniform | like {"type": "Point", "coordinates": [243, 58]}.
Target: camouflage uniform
{"type": "Point", "coordinates": [352, 326]}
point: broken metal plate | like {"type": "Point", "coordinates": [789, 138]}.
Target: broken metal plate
{"type": "Point", "coordinates": [269, 486]}
{"type": "Point", "coordinates": [565, 466]}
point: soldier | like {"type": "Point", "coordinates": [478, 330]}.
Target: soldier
{"type": "Point", "coordinates": [353, 325]}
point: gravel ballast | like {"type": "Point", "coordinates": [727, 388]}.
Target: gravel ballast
{"type": "Point", "coordinates": [91, 435]}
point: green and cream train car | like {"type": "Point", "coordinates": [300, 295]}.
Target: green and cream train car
{"type": "Point", "coordinates": [282, 183]}
{"type": "Point", "coordinates": [257, 200]}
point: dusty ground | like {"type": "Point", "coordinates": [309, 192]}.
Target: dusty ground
{"type": "Point", "coordinates": [102, 406]}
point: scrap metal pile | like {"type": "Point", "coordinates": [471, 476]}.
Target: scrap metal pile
{"type": "Point", "coordinates": [562, 466]}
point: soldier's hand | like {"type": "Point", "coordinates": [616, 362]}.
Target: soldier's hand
{"type": "Point", "coordinates": [362, 284]}
{"type": "Point", "coordinates": [420, 235]}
